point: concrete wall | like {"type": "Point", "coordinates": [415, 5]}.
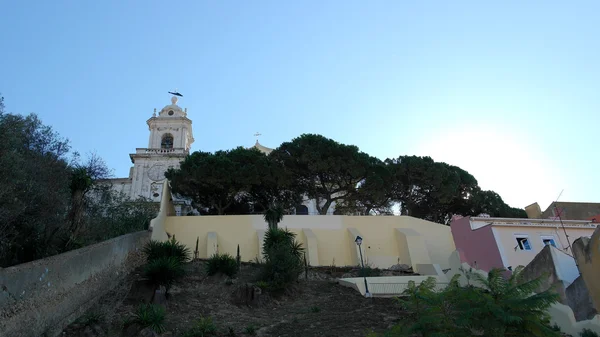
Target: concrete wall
{"type": "Point", "coordinates": [578, 298]}
{"type": "Point", "coordinates": [587, 255]}
{"type": "Point", "coordinates": [547, 266]}
{"type": "Point", "coordinates": [44, 296]}
{"type": "Point", "coordinates": [328, 239]}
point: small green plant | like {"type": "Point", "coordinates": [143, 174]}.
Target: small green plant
{"type": "Point", "coordinates": [250, 330]}
{"type": "Point", "coordinates": [368, 271]}
{"type": "Point", "coordinates": [315, 309]}
{"type": "Point", "coordinates": [164, 271]}
{"type": "Point", "coordinates": [170, 248]}
{"type": "Point", "coordinates": [262, 285]}
{"type": "Point", "coordinates": [150, 316]}
{"type": "Point", "coordinates": [203, 327]}
{"type": "Point", "coordinates": [90, 318]}
{"type": "Point", "coordinates": [588, 333]}
{"type": "Point", "coordinates": [222, 263]}
{"type": "Point", "coordinates": [230, 332]}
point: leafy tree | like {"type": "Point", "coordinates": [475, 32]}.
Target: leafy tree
{"type": "Point", "coordinates": [324, 169]}
{"type": "Point", "coordinates": [34, 176]}
{"type": "Point", "coordinates": [491, 203]}
{"type": "Point", "coordinates": [207, 179]}
{"type": "Point", "coordinates": [374, 195]}
{"type": "Point", "coordinates": [216, 181]}
{"type": "Point", "coordinates": [435, 191]}
{"type": "Point", "coordinates": [500, 308]}
{"type": "Point", "coordinates": [84, 178]}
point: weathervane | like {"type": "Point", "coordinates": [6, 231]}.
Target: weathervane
{"type": "Point", "coordinates": [175, 93]}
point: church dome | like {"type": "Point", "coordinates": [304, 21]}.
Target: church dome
{"type": "Point", "coordinates": [261, 148]}
{"type": "Point", "coordinates": [172, 110]}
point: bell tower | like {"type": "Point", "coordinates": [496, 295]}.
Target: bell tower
{"type": "Point", "coordinates": [169, 142]}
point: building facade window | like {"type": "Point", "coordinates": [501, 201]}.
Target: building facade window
{"type": "Point", "coordinates": [548, 240]}
{"type": "Point", "coordinates": [301, 210]}
{"type": "Point", "coordinates": [167, 141]}
{"type": "Point", "coordinates": [523, 243]}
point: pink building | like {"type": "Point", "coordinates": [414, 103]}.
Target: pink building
{"type": "Point", "coordinates": [489, 243]}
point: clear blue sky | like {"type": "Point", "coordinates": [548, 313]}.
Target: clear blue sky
{"type": "Point", "coordinates": [509, 91]}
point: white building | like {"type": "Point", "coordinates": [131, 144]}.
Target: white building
{"type": "Point", "coordinates": [169, 143]}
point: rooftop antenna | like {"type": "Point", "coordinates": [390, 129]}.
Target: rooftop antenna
{"type": "Point", "coordinates": [562, 224]}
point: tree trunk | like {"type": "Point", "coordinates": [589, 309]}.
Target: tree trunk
{"type": "Point", "coordinates": [76, 213]}
{"type": "Point", "coordinates": [323, 210]}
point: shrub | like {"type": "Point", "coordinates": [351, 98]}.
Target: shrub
{"type": "Point", "coordinates": [203, 327]}
{"type": "Point", "coordinates": [283, 258]}
{"type": "Point", "coordinates": [368, 271]}
{"type": "Point", "coordinates": [170, 248]}
{"type": "Point", "coordinates": [150, 316]}
{"type": "Point", "coordinates": [250, 330]}
{"type": "Point", "coordinates": [588, 333]}
{"type": "Point", "coordinates": [315, 309]}
{"type": "Point", "coordinates": [222, 263]}
{"type": "Point", "coordinates": [500, 308]}
{"type": "Point", "coordinates": [164, 271]}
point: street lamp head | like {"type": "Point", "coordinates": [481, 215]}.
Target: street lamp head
{"type": "Point", "coordinates": [358, 240]}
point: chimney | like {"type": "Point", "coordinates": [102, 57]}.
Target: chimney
{"type": "Point", "coordinates": [534, 211]}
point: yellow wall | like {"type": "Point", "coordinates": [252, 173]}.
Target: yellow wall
{"type": "Point", "coordinates": [332, 237]}
{"type": "Point", "coordinates": [587, 255]}
{"type": "Point", "coordinates": [506, 240]}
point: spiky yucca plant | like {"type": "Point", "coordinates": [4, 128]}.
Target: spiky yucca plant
{"type": "Point", "coordinates": [158, 249]}
{"type": "Point", "coordinates": [164, 271]}
{"type": "Point", "coordinates": [151, 316]}
{"type": "Point", "coordinates": [283, 258]}
{"type": "Point", "coordinates": [273, 216]}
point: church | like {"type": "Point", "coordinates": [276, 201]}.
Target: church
{"type": "Point", "coordinates": [169, 142]}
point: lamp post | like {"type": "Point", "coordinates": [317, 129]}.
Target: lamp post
{"type": "Point", "coordinates": [358, 241]}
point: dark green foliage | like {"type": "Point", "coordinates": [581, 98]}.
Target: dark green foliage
{"type": "Point", "coordinates": [435, 191]}
{"type": "Point", "coordinates": [588, 333]}
{"type": "Point", "coordinates": [283, 258]}
{"type": "Point", "coordinates": [230, 332]}
{"type": "Point", "coordinates": [368, 271]}
{"type": "Point", "coordinates": [203, 327]}
{"type": "Point", "coordinates": [150, 316]}
{"type": "Point", "coordinates": [250, 330]}
{"type": "Point", "coordinates": [222, 263]}
{"type": "Point", "coordinates": [315, 309]}
{"type": "Point", "coordinates": [45, 207]}
{"type": "Point", "coordinates": [273, 216]}
{"type": "Point", "coordinates": [164, 271]}
{"type": "Point", "coordinates": [34, 198]}
{"type": "Point", "coordinates": [170, 248]}
{"type": "Point", "coordinates": [324, 169]}
{"type": "Point", "coordinates": [501, 308]}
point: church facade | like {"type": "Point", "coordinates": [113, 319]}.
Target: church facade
{"type": "Point", "coordinates": [169, 142]}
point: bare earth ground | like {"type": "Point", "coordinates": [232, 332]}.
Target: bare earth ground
{"type": "Point", "coordinates": [315, 307]}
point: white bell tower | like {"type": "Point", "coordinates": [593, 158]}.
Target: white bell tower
{"type": "Point", "coordinates": [169, 143]}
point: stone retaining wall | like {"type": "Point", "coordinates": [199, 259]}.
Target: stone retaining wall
{"type": "Point", "coordinates": [44, 296]}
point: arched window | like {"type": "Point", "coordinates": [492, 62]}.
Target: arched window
{"type": "Point", "coordinates": [167, 141]}
{"type": "Point", "coordinates": [301, 210]}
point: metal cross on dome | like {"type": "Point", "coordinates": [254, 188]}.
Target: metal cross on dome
{"type": "Point", "coordinates": [258, 134]}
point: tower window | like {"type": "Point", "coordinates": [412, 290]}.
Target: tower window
{"type": "Point", "coordinates": [171, 112]}
{"type": "Point", "coordinates": [167, 141]}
